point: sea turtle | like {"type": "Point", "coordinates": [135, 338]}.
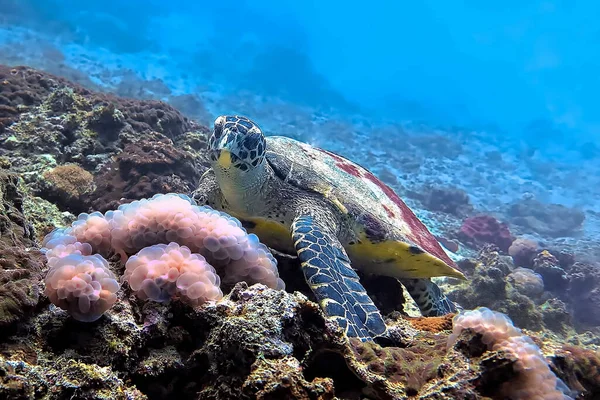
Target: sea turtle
{"type": "Point", "coordinates": [329, 211]}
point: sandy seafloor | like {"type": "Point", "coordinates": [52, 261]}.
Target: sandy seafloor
{"type": "Point", "coordinates": [493, 170]}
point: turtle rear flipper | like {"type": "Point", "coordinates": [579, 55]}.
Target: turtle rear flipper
{"type": "Point", "coordinates": [429, 297]}
{"type": "Point", "coordinates": [336, 285]}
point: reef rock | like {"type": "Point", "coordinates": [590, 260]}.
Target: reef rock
{"type": "Point", "coordinates": [551, 220]}
{"type": "Point", "coordinates": [21, 263]}
{"type": "Point", "coordinates": [584, 291]}
{"type": "Point", "coordinates": [449, 200]}
{"type": "Point", "coordinates": [133, 148]}
{"type": "Point", "coordinates": [255, 343]}
{"type": "Point", "coordinates": [548, 266]}
{"type": "Point", "coordinates": [496, 284]}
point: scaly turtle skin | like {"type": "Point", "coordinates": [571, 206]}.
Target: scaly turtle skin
{"type": "Point", "coordinates": [334, 214]}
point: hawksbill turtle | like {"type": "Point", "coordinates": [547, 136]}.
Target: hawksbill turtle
{"type": "Point", "coordinates": [332, 213]}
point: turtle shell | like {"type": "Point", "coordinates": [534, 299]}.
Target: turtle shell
{"type": "Point", "coordinates": [356, 191]}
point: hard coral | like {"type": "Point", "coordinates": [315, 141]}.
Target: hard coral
{"type": "Point", "coordinates": [161, 272]}
{"type": "Point", "coordinates": [549, 268]}
{"type": "Point", "coordinates": [522, 251]}
{"type": "Point", "coordinates": [580, 369]}
{"type": "Point", "coordinates": [483, 229]}
{"type": "Point", "coordinates": [20, 263]}
{"type": "Point", "coordinates": [66, 185]}
{"type": "Point", "coordinates": [526, 282]}
{"type": "Point", "coordinates": [534, 380]}
{"type": "Point", "coordinates": [143, 168]}
{"type": "Point", "coordinates": [164, 219]}
{"type": "Point", "coordinates": [82, 285]}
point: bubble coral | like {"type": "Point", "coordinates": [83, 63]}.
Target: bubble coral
{"type": "Point", "coordinates": [176, 241]}
{"type": "Point", "coordinates": [162, 271]}
{"type": "Point", "coordinates": [82, 285]}
{"type": "Point", "coordinates": [535, 380]}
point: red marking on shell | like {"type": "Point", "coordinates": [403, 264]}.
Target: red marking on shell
{"type": "Point", "coordinates": [389, 211]}
{"type": "Point", "coordinates": [418, 231]}
{"type": "Point", "coordinates": [344, 164]}
{"type": "Point", "coordinates": [349, 168]}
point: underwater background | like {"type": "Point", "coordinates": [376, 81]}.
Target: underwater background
{"type": "Point", "coordinates": [483, 117]}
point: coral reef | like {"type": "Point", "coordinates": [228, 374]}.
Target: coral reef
{"type": "Point", "coordinates": [139, 147]}
{"type": "Point", "coordinates": [493, 285]}
{"type": "Point", "coordinates": [142, 169]}
{"type": "Point", "coordinates": [21, 263]}
{"type": "Point", "coordinates": [255, 342]}
{"type": "Point", "coordinates": [552, 220]}
{"type": "Point", "coordinates": [485, 229]}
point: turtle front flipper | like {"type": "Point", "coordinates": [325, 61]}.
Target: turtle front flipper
{"type": "Point", "coordinates": [336, 285]}
{"type": "Point", "coordinates": [208, 191]}
{"type": "Point", "coordinates": [429, 297]}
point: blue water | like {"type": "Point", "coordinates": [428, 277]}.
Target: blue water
{"type": "Point", "coordinates": [460, 62]}
{"type": "Point", "coordinates": [519, 78]}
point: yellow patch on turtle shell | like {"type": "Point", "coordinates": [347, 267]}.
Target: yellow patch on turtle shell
{"type": "Point", "coordinates": [398, 260]}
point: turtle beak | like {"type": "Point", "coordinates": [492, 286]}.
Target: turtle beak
{"type": "Point", "coordinates": [224, 159]}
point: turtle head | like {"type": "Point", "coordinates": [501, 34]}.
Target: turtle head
{"type": "Point", "coordinates": [237, 150]}
{"type": "Point", "coordinates": [236, 145]}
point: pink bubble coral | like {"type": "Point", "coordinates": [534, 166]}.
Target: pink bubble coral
{"type": "Point", "coordinates": [184, 239]}
{"type": "Point", "coordinates": [220, 238]}
{"type": "Point", "coordinates": [535, 380]}
{"type": "Point", "coordinates": [82, 285]}
{"type": "Point", "coordinates": [161, 272]}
